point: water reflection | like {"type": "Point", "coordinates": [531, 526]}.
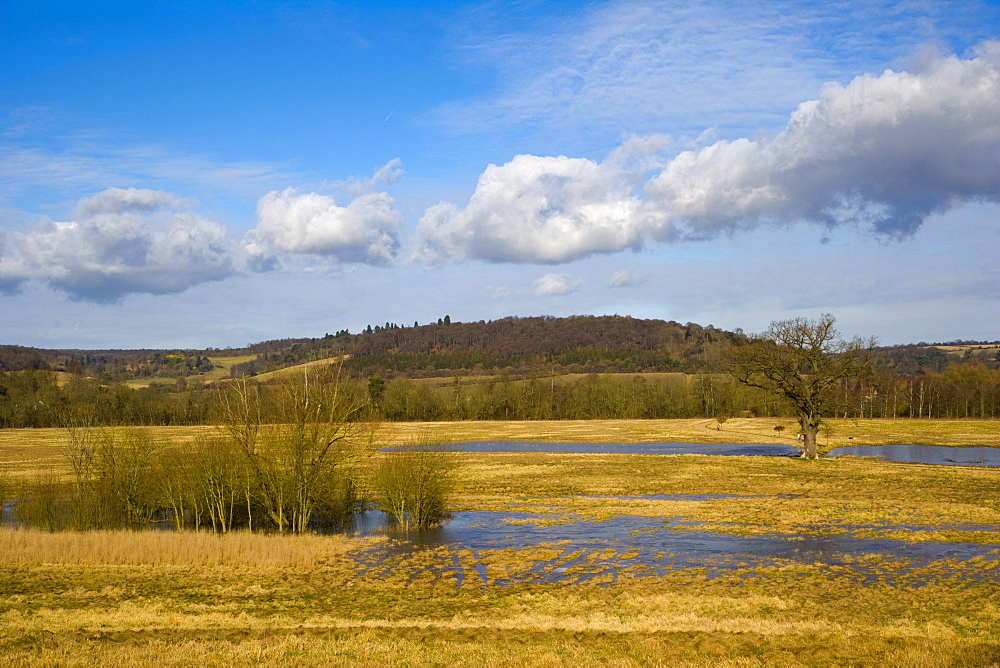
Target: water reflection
{"type": "Point", "coordinates": [577, 550]}
{"type": "Point", "coordinates": [573, 549]}
{"type": "Point", "coordinates": [924, 454]}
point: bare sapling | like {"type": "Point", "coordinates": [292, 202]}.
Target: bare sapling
{"type": "Point", "coordinates": [297, 461]}
{"type": "Point", "coordinates": [414, 484]}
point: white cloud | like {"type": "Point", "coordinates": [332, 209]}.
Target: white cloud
{"type": "Point", "coordinates": [116, 201]}
{"type": "Point", "coordinates": [137, 240]}
{"type": "Point", "coordinates": [535, 209]}
{"type": "Point", "coordinates": [498, 292]}
{"type": "Point", "coordinates": [551, 285]}
{"type": "Point", "coordinates": [883, 152]}
{"type": "Point", "coordinates": [365, 231]}
{"type": "Point", "coordinates": [122, 241]}
{"type": "Point", "coordinates": [625, 278]}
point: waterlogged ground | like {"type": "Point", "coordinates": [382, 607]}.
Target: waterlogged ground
{"type": "Point", "coordinates": [599, 539]}
{"type": "Point", "coordinates": [924, 454]}
{"type": "Point", "coordinates": [502, 548]}
{"type": "Point", "coordinates": [908, 453]}
{"type": "Point", "coordinates": [554, 559]}
{"type": "Point", "coordinates": [741, 449]}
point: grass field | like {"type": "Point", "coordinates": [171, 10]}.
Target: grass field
{"type": "Point", "coordinates": [152, 597]}
{"type": "Point", "coordinates": [298, 368]}
{"type": "Point", "coordinates": [24, 450]}
{"type": "Point", "coordinates": [835, 433]}
{"type": "Point", "coordinates": [222, 367]}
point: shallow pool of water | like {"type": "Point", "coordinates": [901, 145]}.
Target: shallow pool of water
{"type": "Point", "coordinates": [918, 454]}
{"type": "Point", "coordinates": [759, 449]}
{"type": "Point", "coordinates": [923, 454]}
{"type": "Point", "coordinates": [577, 550]}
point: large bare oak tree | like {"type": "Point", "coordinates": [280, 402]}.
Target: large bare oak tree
{"type": "Point", "coordinates": [801, 361]}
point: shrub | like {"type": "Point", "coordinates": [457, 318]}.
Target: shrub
{"type": "Point", "coordinates": [414, 485]}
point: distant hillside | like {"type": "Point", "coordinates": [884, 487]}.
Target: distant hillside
{"type": "Point", "coordinates": [516, 346]}
{"type": "Point", "coordinates": [19, 358]}
{"type": "Point", "coordinates": [109, 365]}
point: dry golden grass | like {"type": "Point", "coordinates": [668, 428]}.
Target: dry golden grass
{"type": "Point", "coordinates": [964, 347]}
{"type": "Point", "coordinates": [183, 599]}
{"type": "Point", "coordinates": [297, 369]}
{"type": "Point", "coordinates": [25, 450]}
{"type": "Point", "coordinates": [839, 432]}
{"type": "Point", "coordinates": [318, 615]}
{"type": "Point", "coordinates": [559, 379]}
{"type": "Point", "coordinates": [777, 495]}
{"type": "Point", "coordinates": [167, 548]}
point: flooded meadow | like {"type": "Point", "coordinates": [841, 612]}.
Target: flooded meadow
{"type": "Point", "coordinates": [740, 554]}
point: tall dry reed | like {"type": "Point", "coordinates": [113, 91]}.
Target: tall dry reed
{"type": "Point", "coordinates": [162, 548]}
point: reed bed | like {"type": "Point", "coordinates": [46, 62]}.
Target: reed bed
{"type": "Point", "coordinates": [25, 547]}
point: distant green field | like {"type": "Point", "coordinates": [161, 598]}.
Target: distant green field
{"type": "Point", "coordinates": [297, 369]}
{"type": "Point", "coordinates": [222, 367]}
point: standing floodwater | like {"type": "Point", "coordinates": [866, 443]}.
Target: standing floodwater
{"type": "Point", "coordinates": [745, 449]}
{"type": "Point", "coordinates": [924, 454]}
{"type": "Point", "coordinates": [913, 454]}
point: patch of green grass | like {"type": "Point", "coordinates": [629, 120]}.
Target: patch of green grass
{"type": "Point", "coordinates": [222, 367]}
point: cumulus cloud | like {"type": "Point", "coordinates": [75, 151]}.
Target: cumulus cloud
{"type": "Point", "coordinates": [882, 152]}
{"type": "Point", "coordinates": [117, 201]}
{"type": "Point", "coordinates": [121, 241]}
{"type": "Point", "coordinates": [131, 240]}
{"type": "Point", "coordinates": [535, 209]}
{"type": "Point", "coordinates": [312, 224]}
{"type": "Point", "coordinates": [624, 278]}
{"type": "Point", "coordinates": [555, 284]}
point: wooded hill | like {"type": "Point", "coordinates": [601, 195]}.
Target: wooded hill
{"type": "Point", "coordinates": [533, 346]}
{"type": "Point", "coordinates": [607, 367]}
{"type": "Point", "coordinates": [539, 345]}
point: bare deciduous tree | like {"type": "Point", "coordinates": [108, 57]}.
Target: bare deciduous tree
{"type": "Point", "coordinates": [315, 437]}
{"type": "Point", "coordinates": [801, 361]}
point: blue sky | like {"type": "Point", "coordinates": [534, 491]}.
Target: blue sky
{"type": "Point", "coordinates": [217, 173]}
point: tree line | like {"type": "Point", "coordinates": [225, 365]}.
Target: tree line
{"type": "Point", "coordinates": [518, 346]}
{"type": "Point", "coordinates": [967, 390]}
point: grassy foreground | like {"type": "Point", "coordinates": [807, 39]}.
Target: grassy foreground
{"type": "Point", "coordinates": [164, 598]}
{"type": "Point", "coordinates": [85, 598]}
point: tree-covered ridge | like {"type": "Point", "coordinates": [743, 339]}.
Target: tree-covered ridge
{"type": "Point", "coordinates": [19, 358]}
{"type": "Point", "coordinates": [108, 365]}
{"type": "Point", "coordinates": [580, 344]}
{"type": "Point", "coordinates": [514, 368]}
{"type": "Point", "coordinates": [523, 347]}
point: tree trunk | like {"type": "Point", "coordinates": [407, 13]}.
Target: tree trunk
{"type": "Point", "coordinates": [810, 430]}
